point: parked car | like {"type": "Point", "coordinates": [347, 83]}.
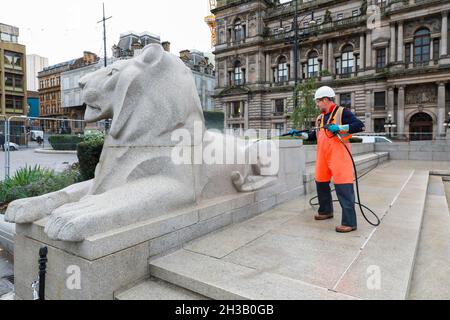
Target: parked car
{"type": "Point", "coordinates": [12, 146]}
{"type": "Point", "coordinates": [374, 139]}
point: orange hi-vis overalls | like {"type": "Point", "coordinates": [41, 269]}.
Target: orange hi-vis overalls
{"type": "Point", "coordinates": [333, 159]}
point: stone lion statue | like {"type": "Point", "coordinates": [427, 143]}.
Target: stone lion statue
{"type": "Point", "coordinates": [148, 98]}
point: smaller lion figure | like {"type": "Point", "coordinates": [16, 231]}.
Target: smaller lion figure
{"type": "Point", "coordinates": [148, 98]}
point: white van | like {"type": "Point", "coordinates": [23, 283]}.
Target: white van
{"type": "Point", "coordinates": [374, 139]}
{"type": "Point", "coordinates": [34, 134]}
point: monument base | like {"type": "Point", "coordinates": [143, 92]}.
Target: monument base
{"type": "Point", "coordinates": [103, 264]}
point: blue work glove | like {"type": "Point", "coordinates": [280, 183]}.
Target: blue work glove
{"type": "Point", "coordinates": [335, 129]}
{"type": "Point", "coordinates": [301, 135]}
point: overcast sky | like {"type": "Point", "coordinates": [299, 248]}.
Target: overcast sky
{"type": "Point", "coordinates": [61, 29]}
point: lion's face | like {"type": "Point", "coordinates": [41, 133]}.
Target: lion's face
{"type": "Point", "coordinates": [98, 91]}
{"type": "Point", "coordinates": [147, 97]}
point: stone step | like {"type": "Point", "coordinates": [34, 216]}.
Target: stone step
{"type": "Point", "coordinates": [221, 280]}
{"type": "Point", "coordinates": [155, 289]}
{"type": "Point", "coordinates": [385, 265]}
{"type": "Point", "coordinates": [285, 255]}
{"type": "Point", "coordinates": [431, 279]}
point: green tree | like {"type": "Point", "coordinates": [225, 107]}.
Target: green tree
{"type": "Point", "coordinates": [306, 109]}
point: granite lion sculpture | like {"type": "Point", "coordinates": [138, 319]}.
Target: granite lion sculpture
{"type": "Point", "coordinates": [148, 98]}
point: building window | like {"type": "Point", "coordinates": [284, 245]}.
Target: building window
{"type": "Point", "coordinates": [13, 82]}
{"type": "Point", "coordinates": [408, 53]}
{"type": "Point", "coordinates": [14, 104]}
{"type": "Point", "coordinates": [348, 60]}
{"type": "Point", "coordinates": [13, 60]}
{"type": "Point", "coordinates": [239, 30]}
{"type": "Point", "coordinates": [340, 16]}
{"type": "Point", "coordinates": [436, 50]}
{"type": "Point", "coordinates": [238, 74]}
{"type": "Point", "coordinates": [280, 127]}
{"type": "Point", "coordinates": [422, 46]}
{"type": "Point", "coordinates": [346, 100]}
{"type": "Point", "coordinates": [279, 107]}
{"type": "Point", "coordinates": [355, 13]}
{"type": "Point", "coordinates": [313, 64]}
{"type": "Point", "coordinates": [282, 69]}
{"type": "Point", "coordinates": [381, 58]}
{"type": "Point", "coordinates": [379, 125]}
{"type": "Point", "coordinates": [235, 109]}
{"type": "Point", "coordinates": [380, 100]}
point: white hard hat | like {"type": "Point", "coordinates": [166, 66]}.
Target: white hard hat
{"type": "Point", "coordinates": [325, 92]}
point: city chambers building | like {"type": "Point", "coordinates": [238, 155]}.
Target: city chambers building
{"type": "Point", "coordinates": [387, 60]}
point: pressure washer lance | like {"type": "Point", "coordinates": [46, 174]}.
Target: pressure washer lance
{"type": "Point", "coordinates": [359, 203]}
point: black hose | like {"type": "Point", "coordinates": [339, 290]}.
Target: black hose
{"type": "Point", "coordinates": [361, 206]}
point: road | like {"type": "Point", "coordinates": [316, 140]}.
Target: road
{"type": "Point", "coordinates": [28, 157]}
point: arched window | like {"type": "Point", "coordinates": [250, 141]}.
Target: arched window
{"type": "Point", "coordinates": [348, 60]}
{"type": "Point", "coordinates": [282, 69]}
{"type": "Point", "coordinates": [422, 46]}
{"type": "Point", "coordinates": [313, 64]}
{"type": "Point", "coordinates": [238, 74]}
{"type": "Point", "coordinates": [239, 30]}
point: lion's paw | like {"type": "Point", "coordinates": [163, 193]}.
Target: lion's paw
{"type": "Point", "coordinates": [26, 211]}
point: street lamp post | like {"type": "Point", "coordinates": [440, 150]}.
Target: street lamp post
{"type": "Point", "coordinates": [390, 125]}
{"type": "Point", "coordinates": [297, 48]}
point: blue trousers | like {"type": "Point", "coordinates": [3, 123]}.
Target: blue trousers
{"type": "Point", "coordinates": [346, 196]}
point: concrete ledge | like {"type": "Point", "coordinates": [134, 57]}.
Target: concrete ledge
{"type": "Point", "coordinates": [51, 151]}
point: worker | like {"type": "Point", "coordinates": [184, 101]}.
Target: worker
{"type": "Point", "coordinates": [333, 160]}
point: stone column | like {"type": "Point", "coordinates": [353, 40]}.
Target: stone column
{"type": "Point", "coordinates": [247, 70]}
{"type": "Point", "coordinates": [257, 63]}
{"type": "Point", "coordinates": [392, 47]}
{"type": "Point", "coordinates": [218, 74]}
{"type": "Point", "coordinates": [400, 43]}
{"type": "Point", "coordinates": [369, 107]}
{"type": "Point", "coordinates": [292, 63]}
{"type": "Point", "coordinates": [362, 49]}
{"type": "Point", "coordinates": [331, 58]}
{"type": "Point", "coordinates": [441, 109]}
{"type": "Point", "coordinates": [412, 54]}
{"type": "Point", "coordinates": [227, 83]}
{"type": "Point", "coordinates": [325, 56]}
{"type": "Point", "coordinates": [401, 112]}
{"type": "Point", "coordinates": [268, 67]}
{"type": "Point", "coordinates": [369, 50]}
{"type": "Point", "coordinates": [444, 35]}
{"type": "Point", "coordinates": [391, 97]}
{"type": "Point", "coordinates": [246, 115]}
{"type": "Point", "coordinates": [432, 50]}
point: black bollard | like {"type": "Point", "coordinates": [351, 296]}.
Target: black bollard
{"type": "Point", "coordinates": [42, 271]}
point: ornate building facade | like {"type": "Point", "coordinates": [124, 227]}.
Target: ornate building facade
{"type": "Point", "coordinates": [387, 60]}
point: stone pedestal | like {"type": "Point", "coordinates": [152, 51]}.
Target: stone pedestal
{"type": "Point", "coordinates": [103, 264]}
